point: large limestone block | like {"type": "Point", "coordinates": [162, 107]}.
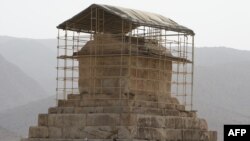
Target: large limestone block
{"type": "Point", "coordinates": [86, 110]}
{"type": "Point", "coordinates": [103, 102]}
{"type": "Point", "coordinates": [203, 124]}
{"type": "Point", "coordinates": [151, 133]}
{"type": "Point", "coordinates": [171, 112]}
{"type": "Point", "coordinates": [47, 139]}
{"type": "Point", "coordinates": [169, 106]}
{"type": "Point", "coordinates": [67, 120]}
{"type": "Point", "coordinates": [180, 107]}
{"type": "Point", "coordinates": [67, 110]}
{"type": "Point", "coordinates": [55, 132]}
{"type": "Point", "coordinates": [179, 122]}
{"type": "Point", "coordinates": [61, 110]}
{"type": "Point", "coordinates": [194, 135]}
{"type": "Point", "coordinates": [73, 132]}
{"type": "Point", "coordinates": [100, 119]}
{"type": "Point", "coordinates": [126, 132]}
{"type": "Point", "coordinates": [173, 135]}
{"type": "Point", "coordinates": [68, 103]}
{"type": "Point", "coordinates": [53, 110]}
{"type": "Point", "coordinates": [100, 132]}
{"type": "Point", "coordinates": [190, 123]}
{"type": "Point", "coordinates": [38, 132]}
{"type": "Point", "coordinates": [170, 122]}
{"type": "Point", "coordinates": [141, 103]}
{"type": "Point", "coordinates": [116, 109]}
{"type": "Point", "coordinates": [43, 120]}
{"type": "Point", "coordinates": [111, 119]}
{"type": "Point", "coordinates": [151, 121]}
{"type": "Point", "coordinates": [127, 119]}
{"type": "Point", "coordinates": [149, 111]}
{"type": "Point", "coordinates": [212, 135]}
{"type": "Point", "coordinates": [74, 96]}
{"type": "Point", "coordinates": [99, 96]}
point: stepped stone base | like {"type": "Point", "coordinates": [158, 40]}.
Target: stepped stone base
{"type": "Point", "coordinates": [82, 118]}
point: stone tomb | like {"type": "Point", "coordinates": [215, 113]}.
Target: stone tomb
{"type": "Point", "coordinates": [124, 99]}
{"type": "Point", "coordinates": [125, 75]}
{"type": "Point", "coordinates": [81, 117]}
{"type": "Point", "coordinates": [111, 70]}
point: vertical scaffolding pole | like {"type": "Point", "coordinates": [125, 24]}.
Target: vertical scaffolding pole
{"type": "Point", "coordinates": [192, 87]}
{"type": "Point", "coordinates": [65, 65]}
{"type": "Point", "coordinates": [57, 66]}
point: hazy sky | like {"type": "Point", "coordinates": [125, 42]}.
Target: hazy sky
{"type": "Point", "coordinates": [215, 22]}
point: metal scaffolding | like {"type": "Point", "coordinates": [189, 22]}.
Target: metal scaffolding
{"type": "Point", "coordinates": [86, 56]}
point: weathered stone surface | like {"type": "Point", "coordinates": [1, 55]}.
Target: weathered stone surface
{"type": "Point", "coordinates": [87, 110]}
{"type": "Point", "coordinates": [47, 139]}
{"type": "Point", "coordinates": [68, 103]}
{"type": "Point", "coordinates": [74, 97]}
{"type": "Point", "coordinates": [150, 133]}
{"type": "Point", "coordinates": [39, 139]}
{"type": "Point", "coordinates": [170, 122]}
{"type": "Point", "coordinates": [117, 109]}
{"type": "Point", "coordinates": [126, 132]}
{"type": "Point", "coordinates": [203, 124]}
{"type": "Point", "coordinates": [212, 135]}
{"type": "Point", "coordinates": [55, 132]}
{"type": "Point", "coordinates": [98, 119]}
{"type": "Point", "coordinates": [100, 132]}
{"type": "Point", "coordinates": [171, 112]}
{"type": "Point", "coordinates": [127, 119]}
{"type": "Point", "coordinates": [173, 135]}
{"type": "Point", "coordinates": [193, 135]}
{"type": "Point", "coordinates": [151, 121]}
{"type": "Point", "coordinates": [180, 107]}
{"type": "Point", "coordinates": [67, 120]}
{"type": "Point", "coordinates": [102, 102]}
{"type": "Point", "coordinates": [38, 132]}
{"type": "Point", "coordinates": [53, 110]}
{"type": "Point", "coordinates": [68, 110]}
{"type": "Point", "coordinates": [72, 132]}
{"type": "Point", "coordinates": [43, 120]}
{"type": "Point", "coordinates": [102, 119]}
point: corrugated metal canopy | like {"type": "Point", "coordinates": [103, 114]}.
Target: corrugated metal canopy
{"type": "Point", "coordinates": [113, 16]}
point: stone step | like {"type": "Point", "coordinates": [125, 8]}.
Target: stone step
{"type": "Point", "coordinates": [121, 132]}
{"type": "Point", "coordinates": [90, 132]}
{"type": "Point", "coordinates": [118, 109]}
{"type": "Point", "coordinates": [171, 122]}
{"type": "Point", "coordinates": [74, 97]}
{"type": "Point", "coordinates": [116, 119]}
{"type": "Point", "coordinates": [142, 97]}
{"type": "Point", "coordinates": [85, 139]}
{"type": "Point", "coordinates": [68, 103]}
{"type": "Point", "coordinates": [79, 110]}
{"type": "Point", "coordinates": [118, 102]}
{"type": "Point", "coordinates": [82, 120]}
{"type": "Point", "coordinates": [148, 133]}
{"type": "Point", "coordinates": [198, 135]}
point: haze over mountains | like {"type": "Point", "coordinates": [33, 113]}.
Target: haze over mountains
{"type": "Point", "coordinates": [16, 87]}
{"type": "Point", "coordinates": [6, 135]}
{"type": "Point", "coordinates": [37, 58]}
{"type": "Point", "coordinates": [222, 78]}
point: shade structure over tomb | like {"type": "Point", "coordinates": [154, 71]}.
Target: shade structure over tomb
{"type": "Point", "coordinates": [114, 15]}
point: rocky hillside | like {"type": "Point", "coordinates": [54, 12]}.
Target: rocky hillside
{"type": "Point", "coordinates": [16, 87]}
{"type": "Point", "coordinates": [221, 84]}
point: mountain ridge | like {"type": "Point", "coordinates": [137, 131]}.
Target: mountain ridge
{"type": "Point", "coordinates": [220, 87]}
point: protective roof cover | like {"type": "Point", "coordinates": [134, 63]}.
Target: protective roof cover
{"type": "Point", "coordinates": [114, 15]}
